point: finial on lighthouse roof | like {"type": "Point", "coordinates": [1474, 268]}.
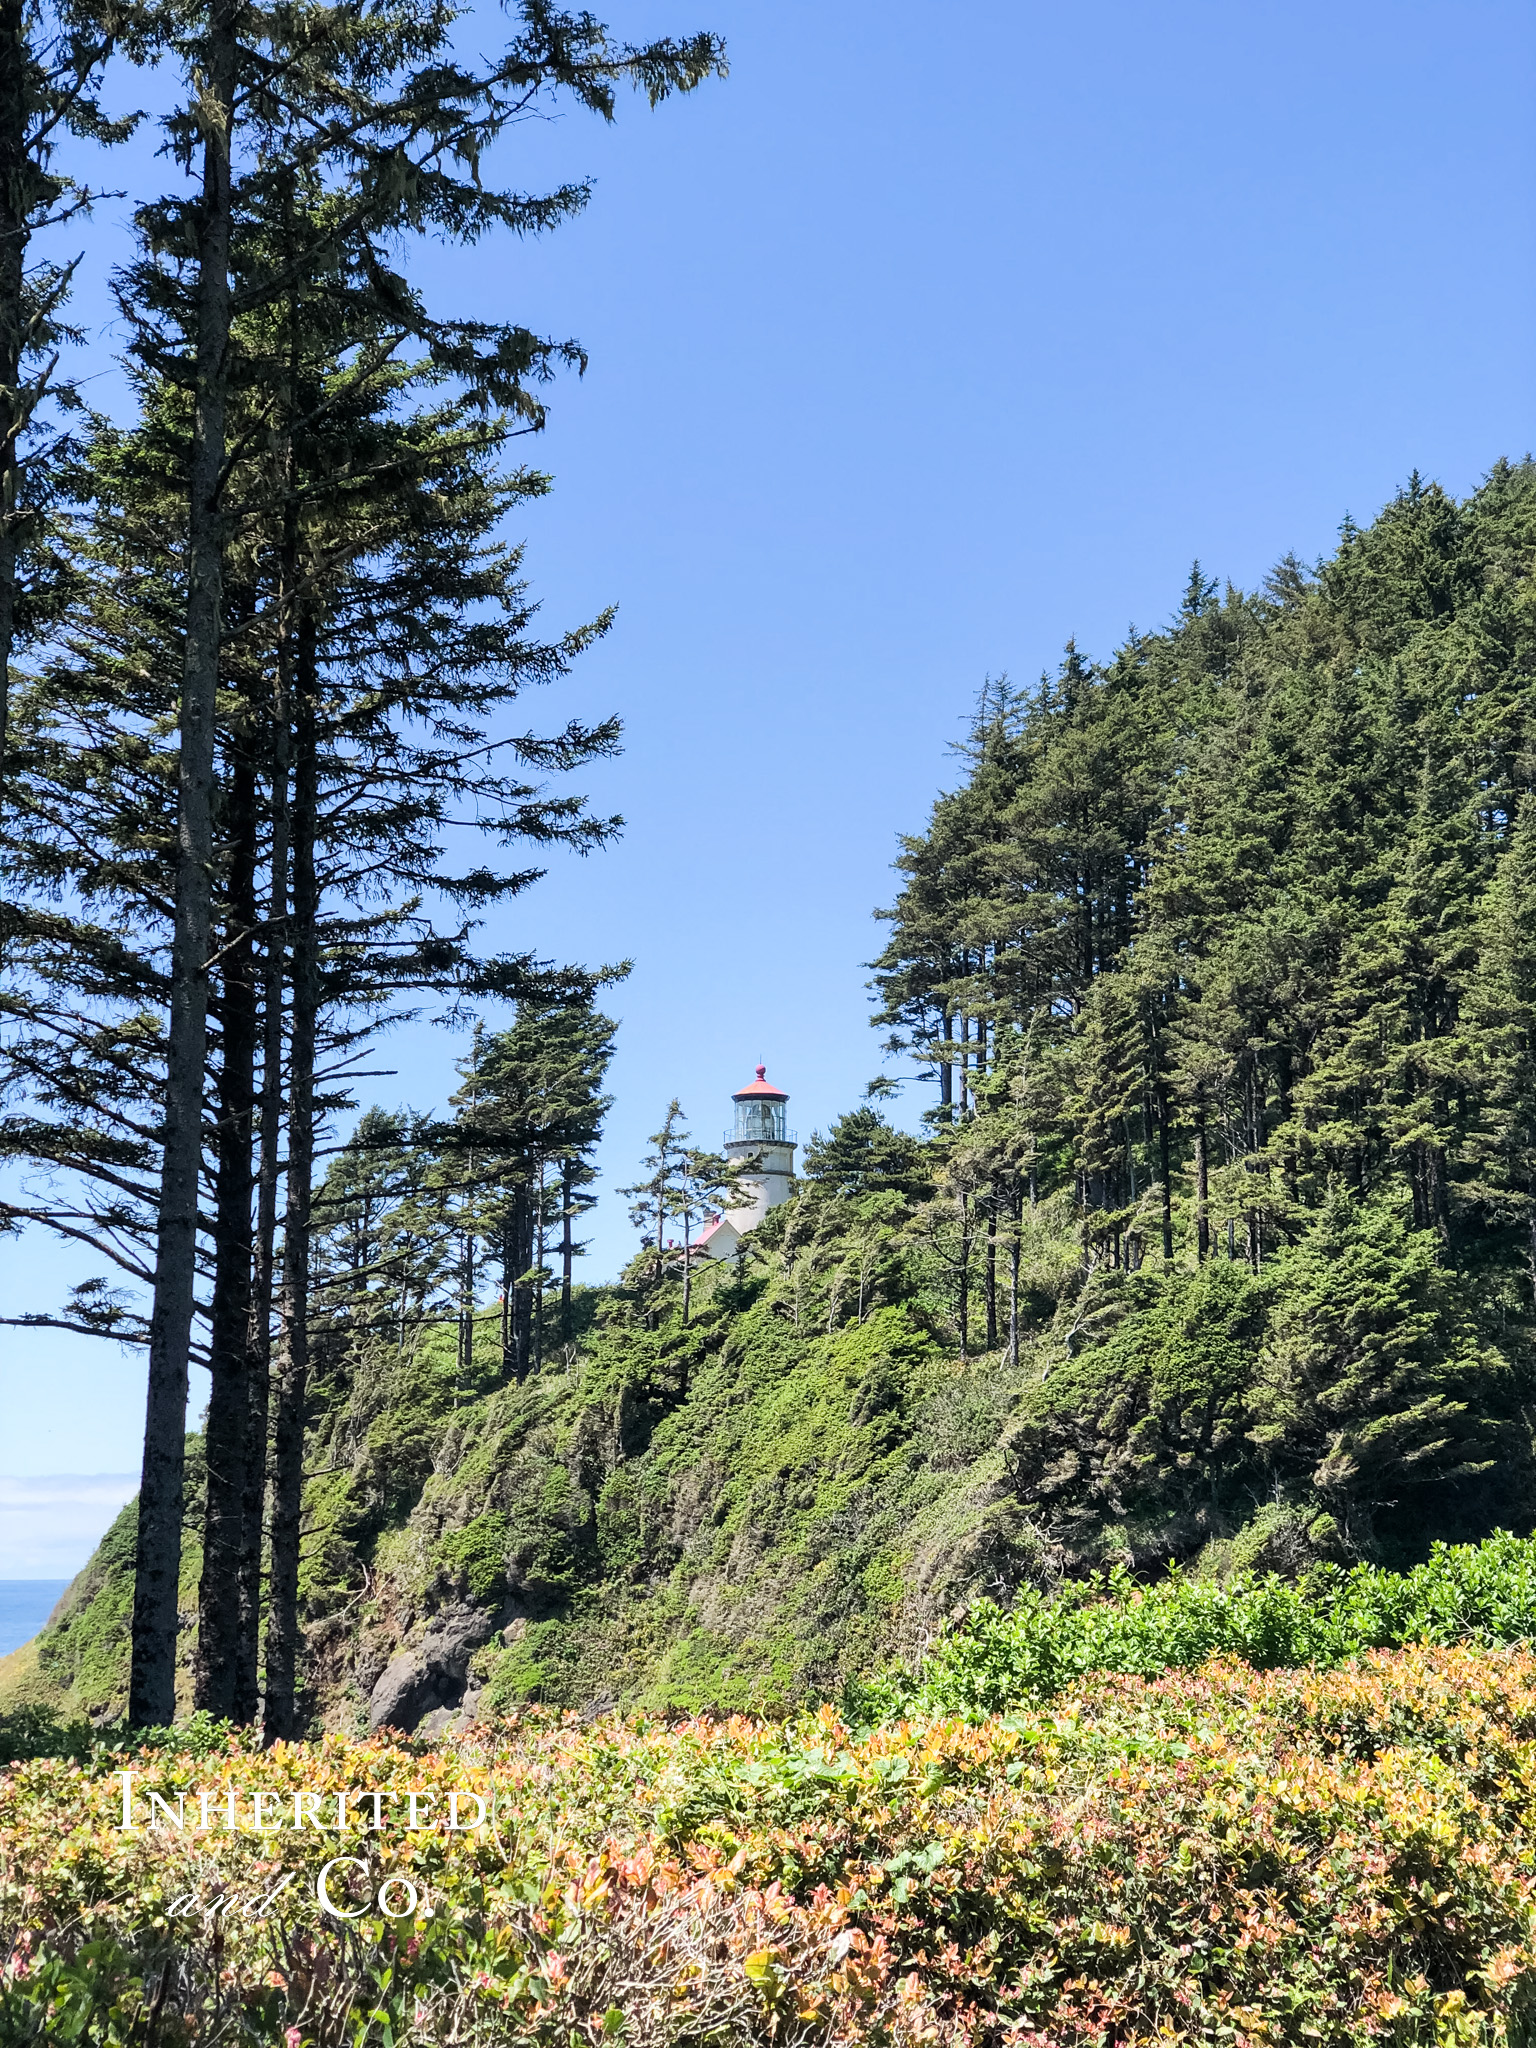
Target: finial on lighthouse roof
{"type": "Point", "coordinates": [761, 1070]}
{"type": "Point", "coordinates": [761, 1088]}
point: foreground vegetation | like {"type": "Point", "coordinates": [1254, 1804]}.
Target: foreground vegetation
{"type": "Point", "coordinates": [1226, 1855]}
{"type": "Point", "coordinates": [1484, 1595]}
{"type": "Point", "coordinates": [1095, 1818]}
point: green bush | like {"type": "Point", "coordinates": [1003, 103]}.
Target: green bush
{"type": "Point", "coordinates": [32, 1731]}
{"type": "Point", "coordinates": [477, 1554]}
{"type": "Point", "coordinates": [1483, 1594]}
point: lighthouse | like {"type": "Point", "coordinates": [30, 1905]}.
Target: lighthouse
{"type": "Point", "coordinates": [763, 1146]}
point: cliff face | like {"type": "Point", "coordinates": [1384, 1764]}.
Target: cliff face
{"type": "Point", "coordinates": [738, 1515]}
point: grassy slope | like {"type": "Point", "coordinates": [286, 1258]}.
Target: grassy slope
{"type": "Point", "coordinates": [732, 1519]}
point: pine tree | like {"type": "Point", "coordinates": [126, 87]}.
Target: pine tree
{"type": "Point", "coordinates": [448, 118]}
{"type": "Point", "coordinates": [51, 65]}
{"type": "Point", "coordinates": [651, 1199]}
{"type": "Point", "coordinates": [706, 1183]}
{"type": "Point", "coordinates": [1498, 1047]}
{"type": "Point", "coordinates": [531, 1100]}
{"type": "Point", "coordinates": [271, 247]}
{"type": "Point", "coordinates": [1372, 1385]}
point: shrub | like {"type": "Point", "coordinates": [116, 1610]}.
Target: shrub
{"type": "Point", "coordinates": [1229, 1856]}
{"type": "Point", "coordinates": [1482, 1593]}
{"type": "Point", "coordinates": [477, 1554]}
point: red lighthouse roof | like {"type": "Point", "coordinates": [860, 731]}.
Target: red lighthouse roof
{"type": "Point", "coordinates": [760, 1090]}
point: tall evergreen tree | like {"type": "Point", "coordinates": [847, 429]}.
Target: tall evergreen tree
{"type": "Point", "coordinates": [531, 1100]}
{"type": "Point", "coordinates": [51, 64]}
{"type": "Point", "coordinates": [1498, 1048]}
{"type": "Point", "coordinates": [277, 552]}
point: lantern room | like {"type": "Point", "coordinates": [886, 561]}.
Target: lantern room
{"type": "Point", "coordinates": [760, 1113]}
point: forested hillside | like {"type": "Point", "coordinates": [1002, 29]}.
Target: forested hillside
{"type": "Point", "coordinates": [1225, 955]}
{"type": "Point", "coordinates": [1219, 1245]}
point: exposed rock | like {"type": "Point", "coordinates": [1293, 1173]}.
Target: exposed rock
{"type": "Point", "coordinates": [368, 1666]}
{"type": "Point", "coordinates": [451, 1720]}
{"type": "Point", "coordinates": [431, 1676]}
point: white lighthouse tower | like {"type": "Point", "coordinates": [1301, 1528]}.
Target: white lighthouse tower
{"type": "Point", "coordinates": [762, 1144]}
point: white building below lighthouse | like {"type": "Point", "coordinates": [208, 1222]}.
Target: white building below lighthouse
{"type": "Point", "coordinates": [760, 1140]}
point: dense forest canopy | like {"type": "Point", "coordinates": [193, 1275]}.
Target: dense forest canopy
{"type": "Point", "coordinates": [1224, 951]}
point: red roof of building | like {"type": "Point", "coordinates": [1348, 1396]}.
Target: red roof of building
{"type": "Point", "coordinates": [760, 1091]}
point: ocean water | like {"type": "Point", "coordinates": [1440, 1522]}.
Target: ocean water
{"type": "Point", "coordinates": [25, 1605]}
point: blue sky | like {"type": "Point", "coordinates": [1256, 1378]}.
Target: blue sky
{"type": "Point", "coordinates": [929, 338]}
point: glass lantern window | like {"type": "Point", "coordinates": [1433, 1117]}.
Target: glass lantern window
{"type": "Point", "coordinates": [762, 1120]}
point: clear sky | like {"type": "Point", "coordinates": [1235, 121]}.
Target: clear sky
{"type": "Point", "coordinates": [929, 338]}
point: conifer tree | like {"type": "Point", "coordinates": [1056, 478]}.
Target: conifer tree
{"type": "Point", "coordinates": [1373, 1385]}
{"type": "Point", "coordinates": [433, 124]}
{"type": "Point", "coordinates": [706, 1184]}
{"type": "Point", "coordinates": [272, 244]}
{"type": "Point", "coordinates": [1498, 1047]}
{"type": "Point", "coordinates": [1251, 893]}
{"type": "Point", "coordinates": [531, 1099]}
{"type": "Point", "coordinates": [683, 1185]}
{"type": "Point", "coordinates": [51, 63]}
{"type": "Point", "coordinates": [651, 1199]}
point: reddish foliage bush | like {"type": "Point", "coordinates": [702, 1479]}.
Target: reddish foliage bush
{"type": "Point", "coordinates": [1221, 1856]}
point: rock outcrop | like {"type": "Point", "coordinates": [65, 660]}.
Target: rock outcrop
{"type": "Point", "coordinates": [433, 1674]}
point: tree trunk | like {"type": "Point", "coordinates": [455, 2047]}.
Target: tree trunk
{"type": "Point", "coordinates": [567, 1246]}
{"type": "Point", "coordinates": [965, 1276]}
{"type": "Point", "coordinates": [946, 1071]}
{"type": "Point", "coordinates": [282, 1644]}
{"type": "Point", "coordinates": [1202, 1190]}
{"type": "Point", "coordinates": [1285, 1085]}
{"type": "Point", "coordinates": [508, 1273]}
{"type": "Point", "coordinates": [1013, 1285]}
{"type": "Point", "coordinates": [13, 245]}
{"type": "Point", "coordinates": [992, 1271]}
{"type": "Point", "coordinates": [687, 1267]}
{"type": "Point", "coordinates": [1437, 1180]}
{"type": "Point", "coordinates": [1165, 1171]}
{"type": "Point", "coordinates": [218, 1612]}
{"type": "Point", "coordinates": [157, 1560]}
{"type": "Point", "coordinates": [466, 1362]}
{"type": "Point", "coordinates": [259, 1372]}
{"type": "Point", "coordinates": [537, 1263]}
{"type": "Point", "coordinates": [518, 1257]}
